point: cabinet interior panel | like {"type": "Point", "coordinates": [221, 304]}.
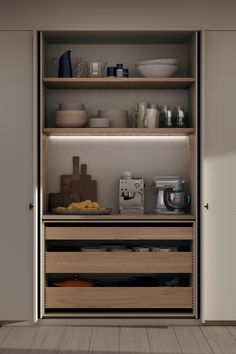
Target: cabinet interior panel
{"type": "Point", "coordinates": [164, 278]}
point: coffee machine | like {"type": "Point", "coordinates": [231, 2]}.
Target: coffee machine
{"type": "Point", "coordinates": [131, 194]}
{"type": "Point", "coordinates": [171, 195]}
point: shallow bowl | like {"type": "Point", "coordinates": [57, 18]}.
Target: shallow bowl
{"type": "Point", "coordinates": [156, 70]}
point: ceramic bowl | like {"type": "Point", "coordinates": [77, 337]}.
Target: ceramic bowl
{"type": "Point", "coordinates": [99, 123]}
{"type": "Point", "coordinates": [156, 70]}
{"type": "Point", "coordinates": [159, 61]}
{"type": "Point", "coordinates": [71, 119]}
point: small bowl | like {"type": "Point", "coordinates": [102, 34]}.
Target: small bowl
{"type": "Point", "coordinates": [99, 123]}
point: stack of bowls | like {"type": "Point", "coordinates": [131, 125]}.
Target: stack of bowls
{"type": "Point", "coordinates": [157, 67]}
{"type": "Point", "coordinates": [71, 115]}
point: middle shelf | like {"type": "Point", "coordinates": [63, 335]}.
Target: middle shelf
{"type": "Point", "coordinates": [118, 131]}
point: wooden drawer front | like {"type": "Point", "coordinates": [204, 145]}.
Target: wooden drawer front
{"type": "Point", "coordinates": [119, 233]}
{"type": "Point", "coordinates": [118, 297]}
{"type": "Point", "coordinates": [118, 262]}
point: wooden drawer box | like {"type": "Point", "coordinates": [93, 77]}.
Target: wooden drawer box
{"type": "Point", "coordinates": [122, 297]}
{"type": "Point", "coordinates": [118, 262]}
{"type": "Point", "coordinates": [119, 233]}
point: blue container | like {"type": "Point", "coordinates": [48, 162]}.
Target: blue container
{"type": "Point", "coordinates": [111, 71]}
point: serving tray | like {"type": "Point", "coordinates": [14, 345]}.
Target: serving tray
{"type": "Point", "coordinates": [81, 212]}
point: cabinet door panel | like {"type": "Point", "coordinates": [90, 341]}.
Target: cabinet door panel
{"type": "Point", "coordinates": [219, 176]}
{"type": "Point", "coordinates": [16, 156]}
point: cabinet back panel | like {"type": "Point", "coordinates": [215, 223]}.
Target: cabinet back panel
{"type": "Point", "coordinates": [107, 158]}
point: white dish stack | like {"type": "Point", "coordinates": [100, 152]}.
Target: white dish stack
{"type": "Point", "coordinates": [157, 67]}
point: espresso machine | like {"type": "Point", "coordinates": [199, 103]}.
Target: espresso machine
{"type": "Point", "coordinates": [131, 194]}
{"type": "Point", "coordinates": [171, 195]}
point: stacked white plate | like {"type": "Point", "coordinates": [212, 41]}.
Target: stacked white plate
{"type": "Point", "coordinates": [157, 67]}
{"type": "Point", "coordinates": [99, 122]}
{"type": "Point", "coordinates": [71, 119]}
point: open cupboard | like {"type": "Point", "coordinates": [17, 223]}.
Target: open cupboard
{"type": "Point", "coordinates": [124, 283]}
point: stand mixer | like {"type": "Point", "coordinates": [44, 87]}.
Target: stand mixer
{"type": "Point", "coordinates": [171, 196]}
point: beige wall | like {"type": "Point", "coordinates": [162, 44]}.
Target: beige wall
{"type": "Point", "coordinates": [122, 14]}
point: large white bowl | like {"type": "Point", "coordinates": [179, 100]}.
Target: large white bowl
{"type": "Point", "coordinates": [71, 119]}
{"type": "Point", "coordinates": [159, 61]}
{"type": "Point", "coordinates": [156, 70]}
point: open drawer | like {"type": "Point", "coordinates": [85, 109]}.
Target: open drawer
{"type": "Point", "coordinates": [118, 262]}
{"type": "Point", "coordinates": [119, 297]}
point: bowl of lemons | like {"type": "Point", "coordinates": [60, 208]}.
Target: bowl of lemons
{"type": "Point", "coordinates": [87, 206]}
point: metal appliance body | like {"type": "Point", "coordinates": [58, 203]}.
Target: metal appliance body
{"type": "Point", "coordinates": [171, 196]}
{"type": "Point", "coordinates": [131, 195]}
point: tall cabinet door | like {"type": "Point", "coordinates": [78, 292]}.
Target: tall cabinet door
{"type": "Point", "coordinates": [16, 175]}
{"type": "Point", "coordinates": [219, 176]}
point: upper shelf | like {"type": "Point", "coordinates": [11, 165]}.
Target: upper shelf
{"type": "Point", "coordinates": [118, 83]}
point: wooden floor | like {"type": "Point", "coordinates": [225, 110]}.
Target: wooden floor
{"type": "Point", "coordinates": [100, 340]}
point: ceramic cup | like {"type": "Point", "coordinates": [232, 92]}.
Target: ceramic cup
{"type": "Point", "coordinates": [141, 106]}
{"type": "Point", "coordinates": [151, 118]}
{"type": "Point", "coordinates": [140, 118]}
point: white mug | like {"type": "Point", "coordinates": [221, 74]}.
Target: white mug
{"type": "Point", "coordinates": [151, 118]}
{"type": "Point", "coordinates": [141, 106]}
{"type": "Point", "coordinates": [140, 118]}
{"type": "Point", "coordinates": [154, 105]}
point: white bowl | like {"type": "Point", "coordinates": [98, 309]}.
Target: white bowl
{"type": "Point", "coordinates": [159, 61]}
{"type": "Point", "coordinates": [99, 123]}
{"type": "Point", "coordinates": [71, 119]}
{"type": "Point", "coordinates": [156, 70]}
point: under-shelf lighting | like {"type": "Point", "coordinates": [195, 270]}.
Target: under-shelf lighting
{"type": "Point", "coordinates": [116, 138]}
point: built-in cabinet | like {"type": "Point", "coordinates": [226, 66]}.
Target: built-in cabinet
{"type": "Point", "coordinates": [146, 152]}
{"type": "Point", "coordinates": [129, 282]}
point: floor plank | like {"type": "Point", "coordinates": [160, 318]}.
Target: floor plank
{"type": "Point", "coordinates": [4, 331]}
{"type": "Point", "coordinates": [220, 339]}
{"type": "Point", "coordinates": [163, 340]}
{"type": "Point", "coordinates": [76, 339]}
{"type": "Point", "coordinates": [104, 340]}
{"type": "Point", "coordinates": [192, 340]}
{"type": "Point", "coordinates": [19, 340]}
{"type": "Point", "coordinates": [232, 330]}
{"type": "Point", "coordinates": [47, 340]}
{"type": "Point", "coordinates": [134, 340]}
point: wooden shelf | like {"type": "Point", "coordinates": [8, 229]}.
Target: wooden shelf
{"type": "Point", "coordinates": [118, 131]}
{"type": "Point", "coordinates": [117, 217]}
{"type": "Point", "coordinates": [118, 83]}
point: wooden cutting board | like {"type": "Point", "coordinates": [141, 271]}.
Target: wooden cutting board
{"type": "Point", "coordinates": [75, 187]}
{"type": "Point", "coordinates": [67, 179]}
